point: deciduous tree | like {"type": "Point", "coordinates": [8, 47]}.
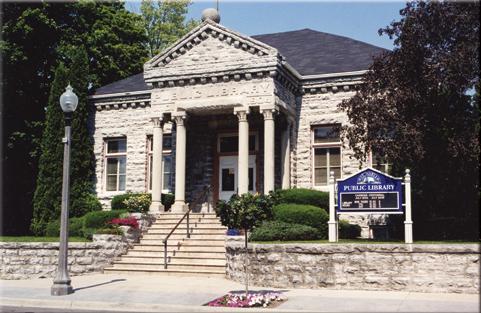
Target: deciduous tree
{"type": "Point", "coordinates": [164, 23]}
{"type": "Point", "coordinates": [416, 108]}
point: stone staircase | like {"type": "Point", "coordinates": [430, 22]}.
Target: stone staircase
{"type": "Point", "coordinates": [201, 254]}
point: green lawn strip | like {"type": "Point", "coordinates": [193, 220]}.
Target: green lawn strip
{"type": "Point", "coordinates": [368, 241]}
{"type": "Point", "coordinates": [39, 239]}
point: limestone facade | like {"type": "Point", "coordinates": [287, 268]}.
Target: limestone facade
{"type": "Point", "coordinates": [210, 78]}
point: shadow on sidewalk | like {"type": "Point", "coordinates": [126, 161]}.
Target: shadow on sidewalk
{"type": "Point", "coordinates": [101, 284]}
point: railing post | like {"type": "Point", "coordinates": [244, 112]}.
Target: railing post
{"type": "Point", "coordinates": [408, 223]}
{"type": "Point", "coordinates": [165, 254]}
{"type": "Point", "coordinates": [188, 232]}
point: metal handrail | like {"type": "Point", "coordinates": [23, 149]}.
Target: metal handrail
{"type": "Point", "coordinates": [205, 192]}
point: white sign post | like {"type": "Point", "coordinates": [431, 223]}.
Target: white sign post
{"type": "Point", "coordinates": [408, 223]}
{"type": "Point", "coordinates": [332, 211]}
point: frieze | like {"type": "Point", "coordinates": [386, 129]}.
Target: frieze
{"type": "Point", "coordinates": [250, 89]}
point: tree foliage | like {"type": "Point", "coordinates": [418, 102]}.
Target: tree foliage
{"type": "Point", "coordinates": [416, 108]}
{"type": "Point", "coordinates": [36, 36]}
{"type": "Point", "coordinates": [49, 182]}
{"type": "Point", "coordinates": [164, 23]}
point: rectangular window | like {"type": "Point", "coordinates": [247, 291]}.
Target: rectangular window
{"type": "Point", "coordinates": [381, 163]}
{"type": "Point", "coordinates": [166, 161]}
{"type": "Point", "coordinates": [116, 164]}
{"type": "Point", "coordinates": [326, 134]}
{"type": "Point", "coordinates": [327, 153]}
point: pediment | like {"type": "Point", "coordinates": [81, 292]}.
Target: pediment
{"type": "Point", "coordinates": [210, 48]}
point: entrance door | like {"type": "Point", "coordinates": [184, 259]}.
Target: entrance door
{"type": "Point", "coordinates": [228, 176]}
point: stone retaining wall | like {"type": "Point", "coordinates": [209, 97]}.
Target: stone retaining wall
{"type": "Point", "coordinates": [24, 260]}
{"type": "Point", "coordinates": [417, 267]}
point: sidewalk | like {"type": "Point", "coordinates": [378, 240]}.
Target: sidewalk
{"type": "Point", "coordinates": [156, 293]}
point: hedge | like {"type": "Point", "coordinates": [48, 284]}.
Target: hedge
{"type": "Point", "coordinates": [277, 230]}
{"type": "Point", "coordinates": [98, 220]}
{"type": "Point", "coordinates": [348, 231]}
{"type": "Point", "coordinates": [303, 196]}
{"type": "Point", "coordinates": [118, 202]}
{"type": "Point", "coordinates": [303, 214]}
{"type": "Point", "coordinates": [75, 228]}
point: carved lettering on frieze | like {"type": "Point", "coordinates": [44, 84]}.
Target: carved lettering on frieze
{"type": "Point", "coordinates": [262, 89]}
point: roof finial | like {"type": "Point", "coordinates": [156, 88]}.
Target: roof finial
{"type": "Point", "coordinates": [211, 14]}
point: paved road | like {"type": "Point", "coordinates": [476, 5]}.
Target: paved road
{"type": "Point", "coordinates": [160, 293]}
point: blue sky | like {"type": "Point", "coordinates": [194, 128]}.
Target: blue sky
{"type": "Point", "coordinates": [358, 20]}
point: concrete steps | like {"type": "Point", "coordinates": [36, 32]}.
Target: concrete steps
{"type": "Point", "coordinates": [201, 254]}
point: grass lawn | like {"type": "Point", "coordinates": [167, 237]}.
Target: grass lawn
{"type": "Point", "coordinates": [370, 241]}
{"type": "Point", "coordinates": [39, 239]}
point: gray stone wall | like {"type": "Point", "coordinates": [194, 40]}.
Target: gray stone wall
{"type": "Point", "coordinates": [315, 110]}
{"type": "Point", "coordinates": [25, 260]}
{"type": "Point", "coordinates": [419, 267]}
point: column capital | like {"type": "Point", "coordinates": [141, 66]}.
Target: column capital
{"type": "Point", "coordinates": [179, 118]}
{"type": "Point", "coordinates": [157, 121]}
{"type": "Point", "coordinates": [241, 114]}
{"type": "Point", "coordinates": [268, 113]}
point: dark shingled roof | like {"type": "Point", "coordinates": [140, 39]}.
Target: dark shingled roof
{"type": "Point", "coordinates": [310, 52]}
{"type": "Point", "coordinates": [129, 84]}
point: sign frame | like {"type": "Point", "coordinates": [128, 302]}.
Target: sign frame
{"type": "Point", "coordinates": [369, 181]}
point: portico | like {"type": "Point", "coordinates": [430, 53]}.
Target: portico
{"type": "Point", "coordinates": [234, 143]}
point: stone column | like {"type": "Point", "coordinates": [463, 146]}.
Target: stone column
{"type": "Point", "coordinates": [180, 156]}
{"type": "Point", "coordinates": [286, 157]}
{"type": "Point", "coordinates": [269, 162]}
{"type": "Point", "coordinates": [243, 161]}
{"type": "Point", "coordinates": [157, 142]}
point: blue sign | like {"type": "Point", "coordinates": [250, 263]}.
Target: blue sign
{"type": "Point", "coordinates": [369, 191]}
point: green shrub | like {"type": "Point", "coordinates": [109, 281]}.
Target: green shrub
{"type": "Point", "coordinates": [167, 200]}
{"type": "Point", "coordinates": [303, 196]}
{"type": "Point", "coordinates": [276, 230]}
{"type": "Point", "coordinates": [117, 202]}
{"type": "Point", "coordinates": [138, 203]}
{"type": "Point", "coordinates": [348, 231]}
{"type": "Point", "coordinates": [97, 220]}
{"type": "Point", "coordinates": [244, 211]}
{"type": "Point", "coordinates": [109, 231]}
{"type": "Point", "coordinates": [86, 203]}
{"type": "Point", "coordinates": [74, 229]}
{"type": "Point", "coordinates": [303, 214]}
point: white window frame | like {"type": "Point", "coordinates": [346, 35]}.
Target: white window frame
{"type": "Point", "coordinates": [325, 145]}
{"type": "Point", "coordinates": [150, 153]}
{"type": "Point", "coordinates": [108, 155]}
{"type": "Point", "coordinates": [386, 164]}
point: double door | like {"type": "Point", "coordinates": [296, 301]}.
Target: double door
{"type": "Point", "coordinates": [228, 176]}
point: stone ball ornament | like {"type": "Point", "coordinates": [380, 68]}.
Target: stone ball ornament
{"type": "Point", "coordinates": [211, 14]}
{"type": "Point", "coordinates": [68, 100]}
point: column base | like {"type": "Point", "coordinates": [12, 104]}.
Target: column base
{"type": "Point", "coordinates": [156, 207]}
{"type": "Point", "coordinates": [179, 207]}
{"type": "Point", "coordinates": [61, 288]}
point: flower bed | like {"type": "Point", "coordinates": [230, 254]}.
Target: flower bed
{"type": "Point", "coordinates": [129, 221]}
{"type": "Point", "coordinates": [252, 300]}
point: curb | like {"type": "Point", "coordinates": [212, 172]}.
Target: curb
{"type": "Point", "coordinates": [125, 307]}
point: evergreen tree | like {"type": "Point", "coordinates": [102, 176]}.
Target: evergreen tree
{"type": "Point", "coordinates": [47, 197]}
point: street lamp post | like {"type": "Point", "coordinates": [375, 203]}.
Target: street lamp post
{"type": "Point", "coordinates": [61, 284]}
